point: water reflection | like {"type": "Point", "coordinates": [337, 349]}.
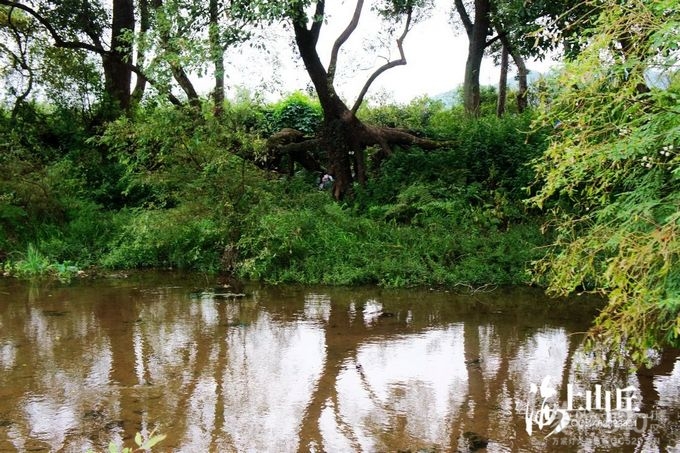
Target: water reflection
{"type": "Point", "coordinates": [290, 369]}
{"type": "Point", "coordinates": [413, 383]}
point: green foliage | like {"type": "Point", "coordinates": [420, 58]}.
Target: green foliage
{"type": "Point", "coordinates": [175, 238]}
{"type": "Point", "coordinates": [610, 177]}
{"type": "Point", "coordinates": [191, 189]}
{"type": "Point", "coordinates": [34, 264]}
{"type": "Point", "coordinates": [297, 111]}
{"type": "Point", "coordinates": [429, 236]}
{"type": "Point", "coordinates": [488, 158]}
{"type": "Point", "coordinates": [540, 27]}
{"type": "Point", "coordinates": [414, 116]}
{"type": "Point", "coordinates": [168, 187]}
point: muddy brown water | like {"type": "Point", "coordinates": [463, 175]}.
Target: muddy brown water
{"type": "Point", "coordinates": [291, 369]}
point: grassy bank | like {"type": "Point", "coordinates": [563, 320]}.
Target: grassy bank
{"type": "Point", "coordinates": [172, 189]}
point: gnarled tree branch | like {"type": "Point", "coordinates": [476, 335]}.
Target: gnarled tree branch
{"type": "Point", "coordinates": [390, 64]}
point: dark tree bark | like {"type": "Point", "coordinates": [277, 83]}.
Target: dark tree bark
{"type": "Point", "coordinates": [503, 83]}
{"type": "Point", "coordinates": [477, 32]}
{"type": "Point", "coordinates": [117, 72]}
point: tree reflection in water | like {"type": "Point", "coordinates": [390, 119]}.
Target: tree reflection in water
{"type": "Point", "coordinates": [292, 369]}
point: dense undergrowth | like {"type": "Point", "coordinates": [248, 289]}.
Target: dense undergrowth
{"type": "Point", "coordinates": [172, 188]}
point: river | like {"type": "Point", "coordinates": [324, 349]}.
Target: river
{"type": "Point", "coordinates": [288, 369]}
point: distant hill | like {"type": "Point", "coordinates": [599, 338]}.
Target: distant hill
{"type": "Point", "coordinates": [448, 98]}
{"type": "Point", "coordinates": [453, 97]}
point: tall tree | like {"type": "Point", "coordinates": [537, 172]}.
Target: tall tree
{"type": "Point", "coordinates": [525, 29]}
{"type": "Point", "coordinates": [343, 135]}
{"type": "Point", "coordinates": [84, 26]}
{"type": "Point", "coordinates": [477, 30]}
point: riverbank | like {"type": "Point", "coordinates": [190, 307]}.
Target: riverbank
{"type": "Point", "coordinates": [131, 198]}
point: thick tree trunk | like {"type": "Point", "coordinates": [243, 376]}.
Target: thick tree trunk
{"type": "Point", "coordinates": [340, 124]}
{"type": "Point", "coordinates": [344, 139]}
{"type": "Point", "coordinates": [503, 83]}
{"type": "Point", "coordinates": [343, 136]}
{"type": "Point", "coordinates": [471, 89]}
{"type": "Point", "coordinates": [117, 74]}
{"type": "Point", "coordinates": [477, 43]}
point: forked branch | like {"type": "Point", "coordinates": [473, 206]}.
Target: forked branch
{"type": "Point", "coordinates": [390, 64]}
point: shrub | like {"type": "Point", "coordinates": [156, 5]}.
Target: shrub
{"type": "Point", "coordinates": [297, 111]}
{"type": "Point", "coordinates": [175, 238]}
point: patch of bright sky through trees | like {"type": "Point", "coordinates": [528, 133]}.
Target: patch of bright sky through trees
{"type": "Point", "coordinates": [435, 51]}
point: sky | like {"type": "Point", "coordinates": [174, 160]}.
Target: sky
{"type": "Point", "coordinates": [435, 53]}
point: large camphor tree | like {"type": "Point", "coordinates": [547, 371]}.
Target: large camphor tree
{"type": "Point", "coordinates": [343, 137]}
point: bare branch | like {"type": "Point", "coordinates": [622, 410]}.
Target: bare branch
{"type": "Point", "coordinates": [19, 61]}
{"type": "Point", "coordinates": [344, 36]}
{"type": "Point", "coordinates": [390, 64]}
{"type": "Point", "coordinates": [492, 40]}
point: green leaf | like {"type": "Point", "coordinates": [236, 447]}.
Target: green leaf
{"type": "Point", "coordinates": [153, 440]}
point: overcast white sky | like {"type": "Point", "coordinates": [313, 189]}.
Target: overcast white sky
{"type": "Point", "coordinates": [435, 53]}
